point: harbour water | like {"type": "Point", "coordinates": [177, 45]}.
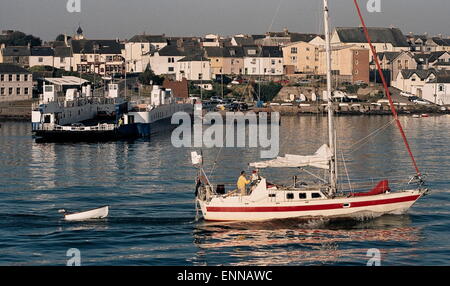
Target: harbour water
{"type": "Point", "coordinates": [149, 186]}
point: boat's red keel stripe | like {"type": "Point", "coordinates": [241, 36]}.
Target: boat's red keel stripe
{"type": "Point", "coordinates": [312, 207]}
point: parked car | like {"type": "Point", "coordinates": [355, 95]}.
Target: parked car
{"type": "Point", "coordinates": [304, 81]}
{"type": "Point", "coordinates": [238, 106]}
{"type": "Point", "coordinates": [406, 94]}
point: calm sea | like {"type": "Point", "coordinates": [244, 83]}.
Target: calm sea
{"type": "Point", "coordinates": [150, 187]}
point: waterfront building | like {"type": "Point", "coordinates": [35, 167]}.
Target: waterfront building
{"type": "Point", "coordinates": [194, 67]}
{"type": "Point", "coordinates": [383, 39]}
{"type": "Point", "coordinates": [164, 61]}
{"type": "Point", "coordinates": [17, 55]}
{"type": "Point", "coordinates": [395, 62]}
{"type": "Point", "coordinates": [413, 81]}
{"type": "Point", "coordinates": [263, 61]}
{"type": "Point", "coordinates": [437, 44]}
{"type": "Point", "coordinates": [16, 83]}
{"type": "Point", "coordinates": [350, 63]}
{"type": "Point", "coordinates": [140, 45]}
{"type": "Point", "coordinates": [438, 90]}
{"type": "Point", "coordinates": [301, 57]}
{"type": "Point", "coordinates": [103, 57]}
{"type": "Point", "coordinates": [63, 58]}
{"type": "Point", "coordinates": [41, 56]}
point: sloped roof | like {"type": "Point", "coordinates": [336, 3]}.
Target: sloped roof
{"type": "Point", "coordinates": [216, 52]}
{"type": "Point", "coordinates": [179, 89]}
{"type": "Point", "coordinates": [63, 52]}
{"type": "Point", "coordinates": [148, 39]}
{"type": "Point", "coordinates": [235, 52]}
{"type": "Point", "coordinates": [378, 35]}
{"type": "Point", "coordinates": [299, 37]}
{"type": "Point", "coordinates": [422, 74]}
{"type": "Point", "coordinates": [171, 51]}
{"type": "Point", "coordinates": [104, 47]}
{"type": "Point", "coordinates": [10, 68]}
{"type": "Point", "coordinates": [441, 41]}
{"type": "Point", "coordinates": [42, 51]}
{"type": "Point", "coordinates": [194, 58]}
{"type": "Point", "coordinates": [422, 58]}
{"type": "Point", "coordinates": [390, 56]}
{"type": "Point", "coordinates": [16, 51]}
{"type": "Point", "coordinates": [244, 41]}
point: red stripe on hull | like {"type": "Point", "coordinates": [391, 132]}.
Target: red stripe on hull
{"type": "Point", "coordinates": [312, 207]}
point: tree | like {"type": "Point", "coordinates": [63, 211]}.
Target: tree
{"type": "Point", "coordinates": [148, 77]}
{"type": "Point", "coordinates": [269, 91]}
{"type": "Point", "coordinates": [18, 38]}
{"type": "Point", "coordinates": [60, 38]}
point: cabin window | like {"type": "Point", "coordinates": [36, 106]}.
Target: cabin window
{"type": "Point", "coordinates": [302, 196]}
{"type": "Point", "coordinates": [47, 119]}
{"type": "Point", "coordinates": [290, 196]}
{"type": "Point", "coordinates": [316, 195]}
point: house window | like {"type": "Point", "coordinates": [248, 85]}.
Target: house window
{"type": "Point", "coordinates": [200, 76]}
{"type": "Point", "coordinates": [293, 50]}
{"type": "Point", "coordinates": [252, 52]}
{"type": "Point", "coordinates": [18, 91]}
{"type": "Point", "coordinates": [17, 77]}
{"type": "Point", "coordinates": [26, 90]}
{"type": "Point", "coordinates": [25, 77]}
{"type": "Point", "coordinates": [10, 91]}
{"type": "Point", "coordinates": [62, 60]}
{"type": "Point", "coordinates": [441, 88]}
{"type": "Point", "coordinates": [171, 69]}
{"type": "Point", "coordinates": [2, 77]}
{"type": "Point", "coordinates": [2, 91]}
{"type": "Point", "coordinates": [273, 62]}
{"type": "Point", "coordinates": [307, 49]}
{"type": "Point", "coordinates": [10, 77]}
{"type": "Point", "coordinates": [40, 59]}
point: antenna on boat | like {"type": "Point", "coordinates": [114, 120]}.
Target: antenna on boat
{"type": "Point", "coordinates": [331, 130]}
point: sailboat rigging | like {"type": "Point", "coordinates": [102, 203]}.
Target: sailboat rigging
{"type": "Point", "coordinates": [267, 201]}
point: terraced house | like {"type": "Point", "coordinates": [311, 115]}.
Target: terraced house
{"type": "Point", "coordinates": [104, 57]}
{"type": "Point", "coordinates": [17, 55]}
{"type": "Point", "coordinates": [265, 61]}
{"type": "Point", "coordinates": [16, 83]}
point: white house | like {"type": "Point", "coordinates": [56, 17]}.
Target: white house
{"type": "Point", "coordinates": [263, 61]}
{"type": "Point", "coordinates": [437, 90]}
{"type": "Point", "coordinates": [193, 67]}
{"type": "Point", "coordinates": [413, 81]}
{"type": "Point", "coordinates": [164, 61]}
{"type": "Point", "coordinates": [139, 46]}
{"type": "Point", "coordinates": [63, 58]}
{"type": "Point", "coordinates": [41, 56]}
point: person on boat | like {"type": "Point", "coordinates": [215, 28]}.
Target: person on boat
{"type": "Point", "coordinates": [242, 183]}
{"type": "Point", "coordinates": [255, 176]}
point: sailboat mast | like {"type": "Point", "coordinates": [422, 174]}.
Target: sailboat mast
{"type": "Point", "coordinates": [331, 130]}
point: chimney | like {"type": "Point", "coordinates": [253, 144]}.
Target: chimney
{"type": "Point", "coordinates": [66, 43]}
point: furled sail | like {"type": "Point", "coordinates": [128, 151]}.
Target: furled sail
{"type": "Point", "coordinates": [321, 159]}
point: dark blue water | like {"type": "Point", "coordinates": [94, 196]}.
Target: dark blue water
{"type": "Point", "coordinates": [149, 185]}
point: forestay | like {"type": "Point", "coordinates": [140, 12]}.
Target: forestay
{"type": "Point", "coordinates": [321, 159]}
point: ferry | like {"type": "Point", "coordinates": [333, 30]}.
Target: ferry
{"type": "Point", "coordinates": [68, 111]}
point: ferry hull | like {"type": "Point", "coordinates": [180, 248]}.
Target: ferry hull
{"type": "Point", "coordinates": [345, 208]}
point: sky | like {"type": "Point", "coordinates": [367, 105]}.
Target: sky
{"type": "Point", "coordinates": [109, 19]}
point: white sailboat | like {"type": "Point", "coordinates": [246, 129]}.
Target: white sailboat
{"type": "Point", "coordinates": [269, 201]}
